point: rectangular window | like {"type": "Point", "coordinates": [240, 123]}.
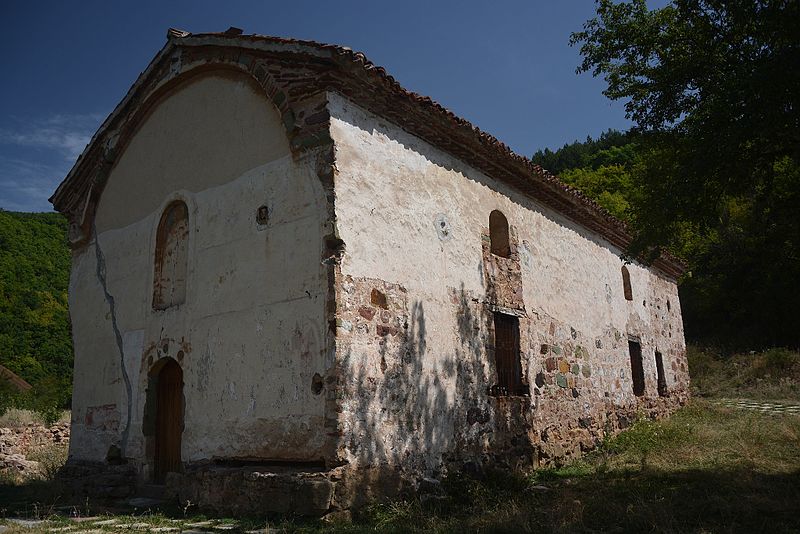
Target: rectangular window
{"type": "Point", "coordinates": [637, 370]}
{"type": "Point", "coordinates": [662, 380]}
{"type": "Point", "coordinates": [507, 357]}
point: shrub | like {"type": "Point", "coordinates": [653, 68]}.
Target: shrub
{"type": "Point", "coordinates": [51, 458]}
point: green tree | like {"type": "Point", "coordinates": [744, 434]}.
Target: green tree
{"type": "Point", "coordinates": [608, 185]}
{"type": "Point", "coordinates": [35, 340]}
{"type": "Point", "coordinates": [580, 154]}
{"type": "Point", "coordinates": [714, 90]}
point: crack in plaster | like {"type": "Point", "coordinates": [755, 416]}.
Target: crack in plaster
{"type": "Point", "coordinates": [101, 277]}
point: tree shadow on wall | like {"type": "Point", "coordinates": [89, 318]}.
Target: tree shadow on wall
{"type": "Point", "coordinates": [410, 409]}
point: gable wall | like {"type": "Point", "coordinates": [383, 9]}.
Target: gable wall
{"type": "Point", "coordinates": [251, 330]}
{"type": "Point", "coordinates": [416, 371]}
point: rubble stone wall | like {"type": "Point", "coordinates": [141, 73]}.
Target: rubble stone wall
{"type": "Point", "coordinates": [18, 442]}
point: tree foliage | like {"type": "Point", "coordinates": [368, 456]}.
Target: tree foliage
{"type": "Point", "coordinates": [714, 90]}
{"type": "Point", "coordinates": [741, 290]}
{"type": "Point", "coordinates": [35, 339]}
{"type": "Point", "coordinates": [611, 147]}
{"type": "Point", "coordinates": [714, 85]}
{"type": "Point", "coordinates": [601, 168]}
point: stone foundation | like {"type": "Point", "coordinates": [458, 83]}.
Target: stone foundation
{"type": "Point", "coordinates": [98, 481]}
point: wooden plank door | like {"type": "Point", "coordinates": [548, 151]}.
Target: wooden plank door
{"type": "Point", "coordinates": [507, 359]}
{"type": "Point", "coordinates": [169, 421]}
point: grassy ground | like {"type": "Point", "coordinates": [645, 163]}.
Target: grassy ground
{"type": "Point", "coordinates": [769, 375]}
{"type": "Point", "coordinates": [706, 469]}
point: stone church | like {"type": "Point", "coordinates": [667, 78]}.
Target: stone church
{"type": "Point", "coordinates": [297, 286]}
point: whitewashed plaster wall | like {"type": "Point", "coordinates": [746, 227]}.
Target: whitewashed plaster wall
{"type": "Point", "coordinates": [252, 328]}
{"type": "Point", "coordinates": [392, 191]}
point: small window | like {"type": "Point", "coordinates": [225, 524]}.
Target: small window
{"type": "Point", "coordinates": [262, 215]}
{"type": "Point", "coordinates": [626, 283]}
{"type": "Point", "coordinates": [169, 280]}
{"type": "Point", "coordinates": [498, 234]}
{"type": "Point", "coordinates": [637, 370]}
{"type": "Point", "coordinates": [662, 379]}
{"type": "Point", "coordinates": [507, 357]}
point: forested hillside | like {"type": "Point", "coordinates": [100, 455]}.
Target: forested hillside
{"type": "Point", "coordinates": [35, 338]}
{"type": "Point", "coordinates": [742, 279]}
{"type": "Point", "coordinates": [601, 168]}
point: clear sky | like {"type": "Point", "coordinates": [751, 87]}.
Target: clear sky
{"type": "Point", "coordinates": [506, 66]}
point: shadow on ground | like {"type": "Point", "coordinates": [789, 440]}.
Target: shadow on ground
{"type": "Point", "coordinates": [631, 501]}
{"type": "Point", "coordinates": [641, 500]}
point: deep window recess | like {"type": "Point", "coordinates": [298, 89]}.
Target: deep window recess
{"type": "Point", "coordinates": [637, 371]}
{"type": "Point", "coordinates": [662, 380]}
{"type": "Point", "coordinates": [169, 280]}
{"type": "Point", "coordinates": [262, 215]}
{"type": "Point", "coordinates": [507, 357]}
{"type": "Point", "coordinates": [626, 283]}
{"type": "Point", "coordinates": [498, 234]}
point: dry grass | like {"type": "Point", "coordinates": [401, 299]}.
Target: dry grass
{"type": "Point", "coordinates": [16, 418]}
{"type": "Point", "coordinates": [51, 458]}
{"type": "Point", "coordinates": [770, 375]}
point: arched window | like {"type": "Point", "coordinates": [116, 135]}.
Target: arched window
{"type": "Point", "coordinates": [626, 283]}
{"type": "Point", "coordinates": [498, 234]}
{"type": "Point", "coordinates": [169, 281]}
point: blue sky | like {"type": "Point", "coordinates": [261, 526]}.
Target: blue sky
{"type": "Point", "coordinates": [506, 66]}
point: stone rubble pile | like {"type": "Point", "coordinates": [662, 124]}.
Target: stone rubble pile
{"type": "Point", "coordinates": [17, 443]}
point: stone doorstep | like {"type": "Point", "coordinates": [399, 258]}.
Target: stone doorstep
{"type": "Point", "coordinates": [200, 524]}
{"type": "Point", "coordinates": [106, 522]}
{"type": "Point", "coordinates": [27, 523]}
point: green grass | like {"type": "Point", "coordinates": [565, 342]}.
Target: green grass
{"type": "Point", "coordinates": [707, 469]}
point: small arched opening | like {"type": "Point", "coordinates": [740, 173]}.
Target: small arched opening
{"type": "Point", "coordinates": [626, 283]}
{"type": "Point", "coordinates": [498, 234]}
{"type": "Point", "coordinates": [171, 257]}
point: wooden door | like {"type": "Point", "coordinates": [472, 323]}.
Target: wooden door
{"type": "Point", "coordinates": [506, 351]}
{"type": "Point", "coordinates": [169, 420]}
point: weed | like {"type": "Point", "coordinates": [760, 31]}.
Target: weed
{"type": "Point", "coordinates": [19, 417]}
{"type": "Point", "coordinates": [51, 458]}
